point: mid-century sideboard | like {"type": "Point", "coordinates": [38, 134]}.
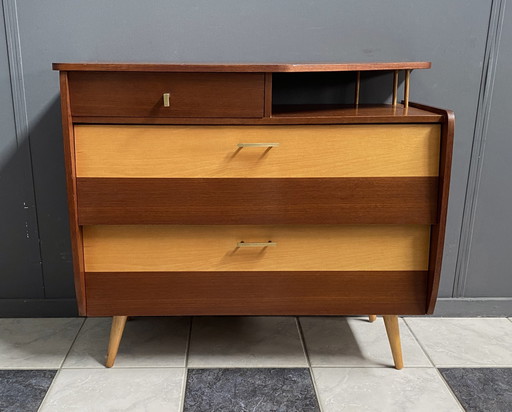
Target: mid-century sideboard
{"type": "Point", "coordinates": [193, 192]}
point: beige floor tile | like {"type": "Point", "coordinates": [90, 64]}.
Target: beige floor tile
{"type": "Point", "coordinates": [465, 341]}
{"type": "Point", "coordinates": [383, 390]}
{"type": "Point", "coordinates": [225, 342]}
{"type": "Point", "coordinates": [350, 341]}
{"type": "Point", "coordinates": [93, 390]}
{"type": "Point", "coordinates": [40, 343]}
{"type": "Point", "coordinates": [146, 342]}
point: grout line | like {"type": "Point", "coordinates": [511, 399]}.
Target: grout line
{"type": "Point", "coordinates": [48, 390]}
{"type": "Point", "coordinates": [181, 406]}
{"type": "Point", "coordinates": [117, 367]}
{"type": "Point", "coordinates": [72, 343]}
{"type": "Point", "coordinates": [304, 348]}
{"type": "Point", "coordinates": [419, 343]}
{"type": "Point", "coordinates": [277, 367]}
{"type": "Point", "coordinates": [185, 373]}
{"type": "Point", "coordinates": [302, 342]}
{"type": "Point", "coordinates": [258, 366]}
{"type": "Point", "coordinates": [189, 339]}
{"type": "Point", "coordinates": [450, 389]}
{"type": "Point", "coordinates": [370, 367]}
{"type": "Point", "coordinates": [471, 366]}
{"type": "Point", "coordinates": [37, 368]}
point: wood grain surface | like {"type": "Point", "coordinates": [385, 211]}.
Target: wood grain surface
{"type": "Point", "coordinates": [379, 200]}
{"type": "Point", "coordinates": [295, 114]}
{"type": "Point", "coordinates": [191, 94]}
{"type": "Point", "coordinates": [74, 228]}
{"type": "Point", "coordinates": [439, 229]}
{"type": "Point", "coordinates": [214, 248]}
{"type": "Point", "coordinates": [255, 293]}
{"type": "Point", "coordinates": [212, 151]}
{"type": "Point", "coordinates": [239, 67]}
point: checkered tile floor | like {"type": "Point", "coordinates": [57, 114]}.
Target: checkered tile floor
{"type": "Point", "coordinates": [256, 364]}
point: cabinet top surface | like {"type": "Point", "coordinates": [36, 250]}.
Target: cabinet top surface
{"type": "Point", "coordinates": [241, 67]}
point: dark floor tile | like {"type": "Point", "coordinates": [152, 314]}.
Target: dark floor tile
{"type": "Point", "coordinates": [481, 389]}
{"type": "Point", "coordinates": [240, 390]}
{"type": "Point", "coordinates": [23, 390]}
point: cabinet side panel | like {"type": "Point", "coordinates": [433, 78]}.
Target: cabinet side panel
{"type": "Point", "coordinates": [438, 230]}
{"type": "Point", "coordinates": [76, 232]}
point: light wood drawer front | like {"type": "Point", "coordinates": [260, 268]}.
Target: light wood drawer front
{"type": "Point", "coordinates": [298, 248]}
{"type": "Point", "coordinates": [212, 151]}
{"type": "Point", "coordinates": [190, 94]}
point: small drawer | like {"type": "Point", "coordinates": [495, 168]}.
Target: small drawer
{"type": "Point", "coordinates": [189, 94]}
{"type": "Point", "coordinates": [193, 248]}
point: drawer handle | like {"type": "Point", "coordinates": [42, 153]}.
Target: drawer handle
{"type": "Point", "coordinates": [167, 99]}
{"type": "Point", "coordinates": [258, 144]}
{"type": "Point", "coordinates": [256, 244]}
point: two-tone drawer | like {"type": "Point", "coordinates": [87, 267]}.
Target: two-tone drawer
{"type": "Point", "coordinates": [257, 175]}
{"type": "Point", "coordinates": [147, 95]}
{"type": "Point", "coordinates": [255, 269]}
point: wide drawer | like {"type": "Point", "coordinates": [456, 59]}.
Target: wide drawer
{"type": "Point", "coordinates": [237, 201]}
{"type": "Point", "coordinates": [257, 151]}
{"type": "Point", "coordinates": [255, 293]}
{"type": "Point", "coordinates": [190, 94]}
{"type": "Point", "coordinates": [292, 248]}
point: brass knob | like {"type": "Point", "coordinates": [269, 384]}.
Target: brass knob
{"type": "Point", "coordinates": [167, 99]}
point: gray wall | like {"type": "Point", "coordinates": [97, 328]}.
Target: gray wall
{"type": "Point", "coordinates": [490, 250]}
{"type": "Point", "coordinates": [460, 37]}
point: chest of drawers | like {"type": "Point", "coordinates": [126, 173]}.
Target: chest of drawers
{"type": "Point", "coordinates": [192, 192]}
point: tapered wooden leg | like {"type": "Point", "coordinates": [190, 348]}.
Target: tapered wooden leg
{"type": "Point", "coordinates": [372, 318]}
{"type": "Point", "coordinates": [116, 333]}
{"type": "Point", "coordinates": [391, 322]}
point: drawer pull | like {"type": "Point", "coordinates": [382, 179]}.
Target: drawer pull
{"type": "Point", "coordinates": [167, 99]}
{"type": "Point", "coordinates": [258, 144]}
{"type": "Point", "coordinates": [256, 244]}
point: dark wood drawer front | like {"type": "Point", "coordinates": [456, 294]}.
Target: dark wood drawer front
{"type": "Point", "coordinates": [257, 201]}
{"type": "Point", "coordinates": [255, 293]}
{"type": "Point", "coordinates": [190, 94]}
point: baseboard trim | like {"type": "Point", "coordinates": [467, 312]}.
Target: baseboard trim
{"type": "Point", "coordinates": [37, 308]}
{"type": "Point", "coordinates": [464, 307]}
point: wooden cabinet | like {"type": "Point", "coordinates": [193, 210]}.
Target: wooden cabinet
{"type": "Point", "coordinates": [191, 192]}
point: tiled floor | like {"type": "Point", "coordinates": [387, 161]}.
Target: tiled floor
{"type": "Point", "coordinates": [256, 364]}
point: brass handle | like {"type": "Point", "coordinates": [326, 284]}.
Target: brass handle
{"type": "Point", "coordinates": [256, 244]}
{"type": "Point", "coordinates": [258, 144]}
{"type": "Point", "coordinates": [167, 99]}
